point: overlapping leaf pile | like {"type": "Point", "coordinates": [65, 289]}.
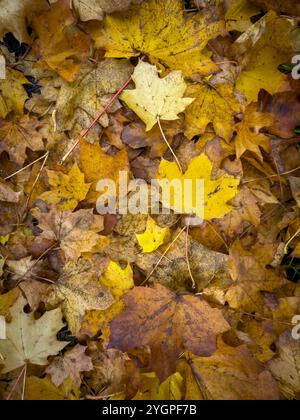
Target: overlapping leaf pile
{"type": "Point", "coordinates": [145, 306]}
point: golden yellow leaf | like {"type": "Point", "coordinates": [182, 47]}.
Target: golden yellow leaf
{"type": "Point", "coordinates": [248, 132]}
{"type": "Point", "coordinates": [12, 93]}
{"type": "Point", "coordinates": [216, 104]}
{"type": "Point", "coordinates": [97, 165]}
{"type": "Point", "coordinates": [61, 43]}
{"type": "Point", "coordinates": [264, 46]}
{"type": "Point", "coordinates": [217, 192]}
{"type": "Point", "coordinates": [67, 190]}
{"type": "Point", "coordinates": [118, 282]}
{"type": "Point", "coordinates": [154, 97]}
{"type": "Point", "coordinates": [151, 388]}
{"type": "Point", "coordinates": [7, 300]}
{"type": "Point", "coordinates": [179, 45]}
{"type": "Point", "coordinates": [43, 389]}
{"type": "Point", "coordinates": [239, 13]}
{"type": "Point", "coordinates": [153, 237]}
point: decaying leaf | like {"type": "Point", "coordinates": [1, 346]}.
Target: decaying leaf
{"type": "Point", "coordinates": [70, 365]}
{"type": "Point", "coordinates": [61, 44]}
{"type": "Point", "coordinates": [233, 374]}
{"type": "Point", "coordinates": [95, 9]}
{"type": "Point", "coordinates": [75, 232]}
{"type": "Point", "coordinates": [67, 190]}
{"type": "Point", "coordinates": [286, 366]}
{"type": "Point", "coordinates": [12, 93]}
{"type": "Point", "coordinates": [30, 340]}
{"type": "Point", "coordinates": [16, 14]}
{"type": "Point", "coordinates": [169, 324]}
{"type": "Point", "coordinates": [78, 291]}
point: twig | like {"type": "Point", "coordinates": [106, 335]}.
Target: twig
{"type": "Point", "coordinates": [286, 247]}
{"type": "Point", "coordinates": [272, 176]}
{"type": "Point", "coordinates": [16, 383]}
{"type": "Point", "coordinates": [36, 179]}
{"type": "Point", "coordinates": [86, 130]}
{"type": "Point", "coordinates": [187, 256]}
{"type": "Point", "coordinates": [24, 383]}
{"type": "Point", "coordinates": [168, 144]}
{"type": "Point", "coordinates": [26, 167]}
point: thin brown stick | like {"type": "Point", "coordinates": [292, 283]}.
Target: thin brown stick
{"type": "Point", "coordinates": [95, 121]}
{"type": "Point", "coordinates": [36, 180]}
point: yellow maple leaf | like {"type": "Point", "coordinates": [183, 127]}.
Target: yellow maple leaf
{"type": "Point", "coordinates": [178, 45]}
{"type": "Point", "coordinates": [263, 47]}
{"type": "Point", "coordinates": [239, 13]}
{"type": "Point", "coordinates": [248, 132]}
{"type": "Point", "coordinates": [217, 192]}
{"type": "Point", "coordinates": [153, 237]}
{"type": "Point", "coordinates": [12, 93]}
{"type": "Point", "coordinates": [68, 190]}
{"type": "Point", "coordinates": [156, 98]}
{"type": "Point", "coordinates": [117, 281]}
{"type": "Point", "coordinates": [216, 104]}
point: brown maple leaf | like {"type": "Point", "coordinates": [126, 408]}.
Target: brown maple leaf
{"type": "Point", "coordinates": [76, 232]}
{"type": "Point", "coordinates": [169, 323]}
{"type": "Point", "coordinates": [70, 365]}
{"type": "Point", "coordinates": [19, 134]}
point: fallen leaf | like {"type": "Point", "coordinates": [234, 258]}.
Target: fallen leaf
{"type": "Point", "coordinates": [97, 165]}
{"type": "Point", "coordinates": [18, 135]}
{"type": "Point", "coordinates": [60, 43]}
{"type": "Point", "coordinates": [156, 98]}
{"type": "Point", "coordinates": [151, 389]}
{"type": "Point", "coordinates": [249, 136]}
{"type": "Point", "coordinates": [179, 46]}
{"type": "Point", "coordinates": [233, 374]}
{"type": "Point", "coordinates": [216, 195]}
{"type": "Point", "coordinates": [30, 340]}
{"type": "Point", "coordinates": [96, 9]}
{"type": "Point", "coordinates": [7, 193]}
{"type": "Point", "coordinates": [216, 104]}
{"type": "Point", "coordinates": [153, 237]}
{"type": "Point", "coordinates": [67, 190]}
{"type": "Point", "coordinates": [169, 324]}
{"type": "Point", "coordinates": [78, 290]}
{"type": "Point", "coordinates": [12, 93]}
{"type": "Point", "coordinates": [83, 98]}
{"type": "Point", "coordinates": [70, 365]}
{"type": "Point", "coordinates": [251, 277]}
{"type": "Point", "coordinates": [238, 15]}
{"type": "Point", "coordinates": [265, 45]}
{"type": "Point", "coordinates": [206, 266]}
{"type": "Point", "coordinates": [16, 14]}
{"type": "Point", "coordinates": [286, 366]}
{"type": "Point", "coordinates": [117, 281]}
{"type": "Point", "coordinates": [75, 232]}
{"type": "Point", "coordinates": [43, 389]}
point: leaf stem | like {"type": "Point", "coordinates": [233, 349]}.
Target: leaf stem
{"type": "Point", "coordinates": [168, 144]}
